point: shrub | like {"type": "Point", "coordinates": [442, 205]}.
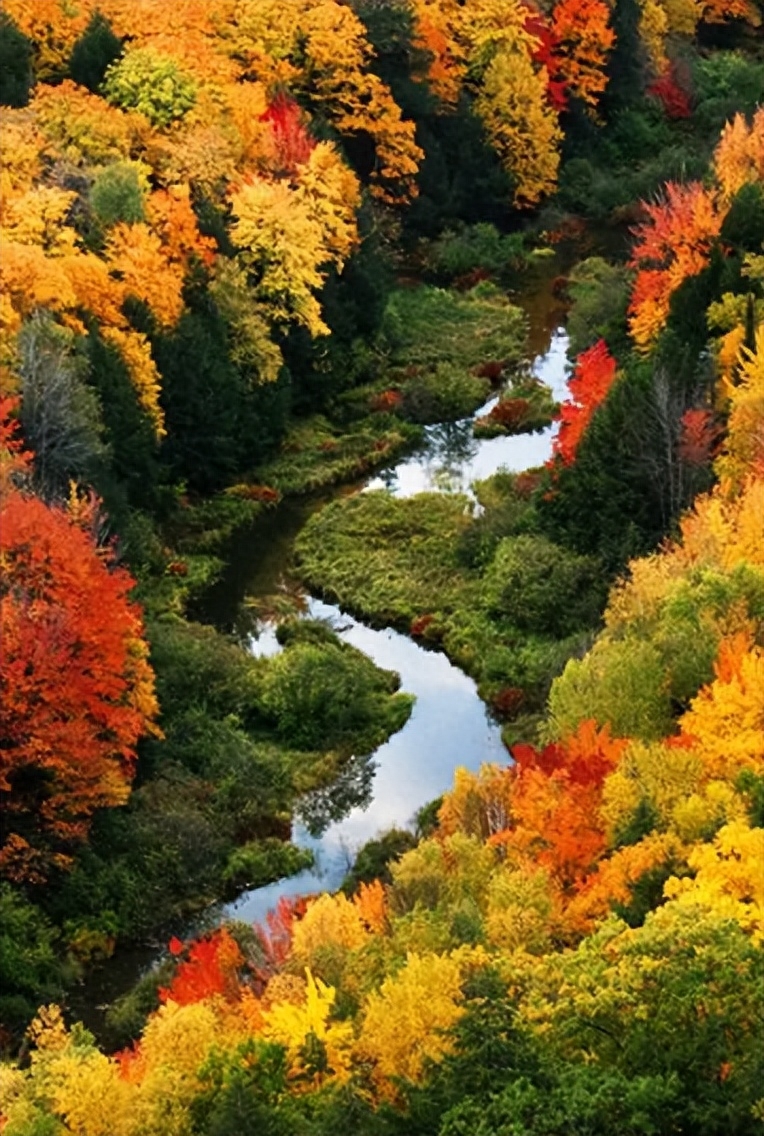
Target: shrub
{"type": "Point", "coordinates": [540, 587]}
{"type": "Point", "coordinates": [154, 84]}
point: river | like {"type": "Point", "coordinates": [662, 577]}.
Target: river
{"type": "Point", "coordinates": [449, 725]}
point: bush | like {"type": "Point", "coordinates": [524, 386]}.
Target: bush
{"type": "Point", "coordinates": [30, 972]}
{"type": "Point", "coordinates": [540, 587]}
{"type": "Point", "coordinates": [621, 683]}
{"type": "Point", "coordinates": [324, 696]}
{"type": "Point", "coordinates": [477, 247]}
{"type": "Point", "coordinates": [146, 81]}
{"type": "Point", "coordinates": [118, 193]}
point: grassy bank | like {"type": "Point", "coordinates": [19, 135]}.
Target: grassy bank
{"type": "Point", "coordinates": [503, 602]}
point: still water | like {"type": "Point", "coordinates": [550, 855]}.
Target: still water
{"type": "Point", "coordinates": [449, 725]}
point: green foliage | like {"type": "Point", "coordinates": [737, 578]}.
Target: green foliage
{"type": "Point", "coordinates": [425, 326]}
{"type": "Point", "coordinates": [639, 1000]}
{"type": "Point", "coordinates": [539, 587]}
{"type": "Point", "coordinates": [477, 248]}
{"type": "Point", "coordinates": [118, 193]}
{"type": "Point", "coordinates": [154, 84]}
{"type": "Point", "coordinates": [262, 861]}
{"type": "Point", "coordinates": [444, 394]}
{"type": "Point", "coordinates": [126, 1016]}
{"type": "Point", "coordinates": [330, 695]}
{"type": "Point", "coordinates": [622, 682]}
{"type": "Point", "coordinates": [15, 64]}
{"type": "Point", "coordinates": [725, 82]}
{"type": "Point", "coordinates": [599, 292]}
{"type": "Point", "coordinates": [30, 969]}
{"type": "Point", "coordinates": [93, 52]}
{"type": "Point", "coordinates": [375, 857]}
{"type": "Point", "coordinates": [316, 454]}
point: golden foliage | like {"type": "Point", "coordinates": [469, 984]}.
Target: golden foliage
{"type": "Point", "coordinates": [727, 717]}
{"type": "Point", "coordinates": [405, 1022]}
{"type": "Point", "coordinates": [728, 879]}
{"type": "Point", "coordinates": [294, 1025]}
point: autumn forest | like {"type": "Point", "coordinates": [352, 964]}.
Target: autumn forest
{"type": "Point", "coordinates": [381, 381]}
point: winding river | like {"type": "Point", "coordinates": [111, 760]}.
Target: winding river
{"type": "Point", "coordinates": [449, 726]}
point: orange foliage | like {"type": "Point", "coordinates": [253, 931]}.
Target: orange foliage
{"type": "Point", "coordinates": [209, 970]}
{"type": "Point", "coordinates": [671, 245]}
{"type": "Point", "coordinates": [739, 156]}
{"type": "Point", "coordinates": [136, 255]}
{"type": "Point", "coordinates": [172, 216]}
{"type": "Point", "coordinates": [371, 904]}
{"type": "Point", "coordinates": [77, 690]}
{"type": "Point", "coordinates": [584, 40]}
{"type": "Point", "coordinates": [592, 378]}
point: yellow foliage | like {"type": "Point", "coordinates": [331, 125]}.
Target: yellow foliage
{"type": "Point", "coordinates": [37, 217]}
{"type": "Point", "coordinates": [653, 29]}
{"type": "Point", "coordinates": [521, 125]}
{"type": "Point", "coordinates": [729, 878]}
{"type": "Point", "coordinates": [739, 156]}
{"type": "Point", "coordinates": [523, 909]}
{"type": "Point", "coordinates": [21, 153]}
{"type": "Point", "coordinates": [286, 238]}
{"type": "Point", "coordinates": [744, 444]}
{"type": "Point", "coordinates": [404, 1022]}
{"type": "Point", "coordinates": [659, 774]}
{"type": "Point", "coordinates": [331, 920]}
{"type": "Point", "coordinates": [727, 717]}
{"type": "Point", "coordinates": [135, 350]}
{"type": "Point", "coordinates": [81, 127]}
{"type": "Point", "coordinates": [682, 16]}
{"type": "Point", "coordinates": [295, 1025]}
{"type": "Point", "coordinates": [174, 1045]}
{"type": "Point", "coordinates": [479, 804]}
{"type": "Point", "coordinates": [135, 254]}
{"type": "Point", "coordinates": [725, 532]}
{"type": "Point", "coordinates": [332, 194]}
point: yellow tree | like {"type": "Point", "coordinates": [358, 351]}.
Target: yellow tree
{"type": "Point", "coordinates": [404, 1023]}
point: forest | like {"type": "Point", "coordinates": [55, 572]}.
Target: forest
{"type": "Point", "coordinates": [280, 282]}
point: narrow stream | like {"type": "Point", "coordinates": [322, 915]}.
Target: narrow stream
{"type": "Point", "coordinates": [449, 725]}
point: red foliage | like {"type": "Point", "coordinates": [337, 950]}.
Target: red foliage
{"type": "Point", "coordinates": [586, 756]}
{"type": "Point", "coordinates": [419, 625]}
{"type": "Point", "coordinates": [293, 143]}
{"type": "Point", "coordinates": [592, 378]}
{"type": "Point", "coordinates": [545, 54]}
{"type": "Point", "coordinates": [672, 93]}
{"type": "Point", "coordinates": [527, 483]}
{"type": "Point", "coordinates": [493, 371]}
{"type": "Point", "coordinates": [276, 936]}
{"type": "Point", "coordinates": [507, 701]}
{"type": "Point", "coordinates": [700, 436]}
{"type": "Point", "coordinates": [15, 461]}
{"type": "Point", "coordinates": [387, 401]}
{"type": "Point", "coordinates": [469, 279]}
{"type": "Point", "coordinates": [76, 691]}
{"type": "Point", "coordinates": [510, 412]}
{"type": "Point", "coordinates": [209, 969]}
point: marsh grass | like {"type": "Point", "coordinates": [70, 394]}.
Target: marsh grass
{"type": "Point", "coordinates": [496, 597]}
